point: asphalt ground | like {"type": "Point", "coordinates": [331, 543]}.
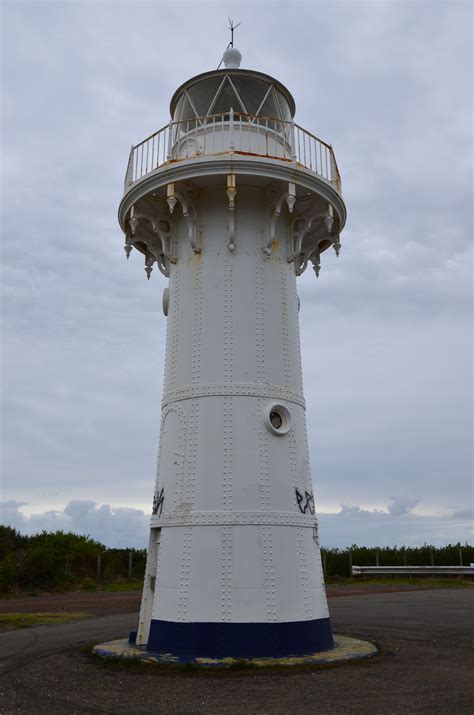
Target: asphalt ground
{"type": "Point", "coordinates": [425, 666]}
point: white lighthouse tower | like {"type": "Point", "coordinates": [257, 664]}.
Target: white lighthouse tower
{"type": "Point", "coordinates": [231, 201]}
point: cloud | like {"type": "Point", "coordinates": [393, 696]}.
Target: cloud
{"type": "Point", "coordinates": [400, 526]}
{"type": "Point", "coordinates": [351, 510]}
{"type": "Point", "coordinates": [124, 527]}
{"type": "Point", "coordinates": [402, 505]}
{"type": "Point", "coordinates": [464, 514]}
{"type": "Point", "coordinates": [118, 527]}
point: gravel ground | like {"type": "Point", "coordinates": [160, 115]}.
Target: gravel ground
{"type": "Point", "coordinates": [425, 666]}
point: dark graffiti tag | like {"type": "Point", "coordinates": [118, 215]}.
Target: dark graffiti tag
{"type": "Point", "coordinates": [315, 533]}
{"type": "Point", "coordinates": [305, 502]}
{"type": "Point", "coordinates": [158, 500]}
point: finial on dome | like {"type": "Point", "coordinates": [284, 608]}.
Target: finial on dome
{"type": "Point", "coordinates": [232, 58]}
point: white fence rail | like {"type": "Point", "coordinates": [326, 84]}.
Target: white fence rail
{"type": "Point", "coordinates": [232, 132]}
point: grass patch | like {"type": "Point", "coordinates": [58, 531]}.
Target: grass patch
{"type": "Point", "coordinates": [10, 621]}
{"type": "Point", "coordinates": [423, 582]}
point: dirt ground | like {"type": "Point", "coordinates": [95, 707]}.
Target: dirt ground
{"type": "Point", "coordinates": [424, 665]}
{"type": "Point", "coordinates": [103, 603]}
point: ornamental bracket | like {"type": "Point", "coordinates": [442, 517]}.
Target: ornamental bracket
{"type": "Point", "coordinates": [186, 201]}
{"type": "Point", "coordinates": [273, 213]}
{"type": "Point", "coordinates": [158, 247]}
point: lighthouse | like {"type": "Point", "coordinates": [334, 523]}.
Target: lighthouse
{"type": "Point", "coordinates": [231, 201]}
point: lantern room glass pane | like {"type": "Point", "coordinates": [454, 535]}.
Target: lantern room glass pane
{"type": "Point", "coordinates": [245, 95]}
{"type": "Point", "coordinates": [270, 108]}
{"type": "Point", "coordinates": [252, 91]}
{"type": "Point", "coordinates": [283, 105]}
{"type": "Point", "coordinates": [227, 99]}
{"type": "Point", "coordinates": [177, 111]}
{"type": "Point", "coordinates": [184, 110]}
{"type": "Point", "coordinates": [203, 93]}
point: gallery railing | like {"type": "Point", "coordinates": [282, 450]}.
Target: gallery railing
{"type": "Point", "coordinates": [232, 132]}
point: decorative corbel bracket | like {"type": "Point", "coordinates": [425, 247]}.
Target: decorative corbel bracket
{"type": "Point", "coordinates": [300, 227]}
{"type": "Point", "coordinates": [189, 213]}
{"type": "Point", "coordinates": [159, 248]}
{"type": "Point", "coordinates": [315, 259]}
{"type": "Point", "coordinates": [301, 261]}
{"type": "Point", "coordinates": [313, 255]}
{"type": "Point", "coordinates": [128, 243]}
{"type": "Point", "coordinates": [130, 233]}
{"type": "Point", "coordinates": [332, 229]}
{"type": "Point", "coordinates": [149, 261]}
{"type": "Point", "coordinates": [273, 214]}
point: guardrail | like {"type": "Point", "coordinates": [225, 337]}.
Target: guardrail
{"type": "Point", "coordinates": [232, 132]}
{"type": "Point", "coordinates": [413, 570]}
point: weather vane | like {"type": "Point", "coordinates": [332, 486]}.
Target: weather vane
{"type": "Point", "coordinates": [232, 27]}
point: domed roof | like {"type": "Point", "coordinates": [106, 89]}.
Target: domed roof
{"type": "Point", "coordinates": [232, 58]}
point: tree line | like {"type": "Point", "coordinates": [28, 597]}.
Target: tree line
{"type": "Point", "coordinates": [337, 562]}
{"type": "Point", "coordinates": [61, 561]}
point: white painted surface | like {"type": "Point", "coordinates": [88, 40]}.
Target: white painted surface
{"type": "Point", "coordinates": [233, 320]}
{"type": "Point", "coordinates": [236, 544]}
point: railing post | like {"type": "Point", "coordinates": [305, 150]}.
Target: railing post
{"type": "Point", "coordinates": [460, 557]}
{"type": "Point", "coordinates": [231, 130]}
{"type": "Point", "coordinates": [170, 141]}
{"type": "Point", "coordinates": [350, 563]}
{"type": "Point", "coordinates": [129, 172]}
{"type": "Point", "coordinates": [332, 168]}
{"type": "Point", "coordinates": [130, 565]}
{"type": "Point", "coordinates": [292, 141]}
{"type": "Point", "coordinates": [98, 567]}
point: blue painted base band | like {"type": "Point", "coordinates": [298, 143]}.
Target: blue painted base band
{"type": "Point", "coordinates": [240, 640]}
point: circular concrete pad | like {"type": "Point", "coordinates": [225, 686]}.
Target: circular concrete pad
{"type": "Point", "coordinates": [345, 649]}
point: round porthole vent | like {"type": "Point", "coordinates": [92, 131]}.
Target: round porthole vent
{"type": "Point", "coordinates": [277, 419]}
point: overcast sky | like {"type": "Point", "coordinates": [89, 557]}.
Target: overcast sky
{"type": "Point", "coordinates": [386, 330]}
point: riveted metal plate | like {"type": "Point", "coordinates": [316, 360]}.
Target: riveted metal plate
{"type": "Point", "coordinates": [228, 518]}
{"type": "Point", "coordinates": [233, 389]}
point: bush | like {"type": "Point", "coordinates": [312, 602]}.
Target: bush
{"type": "Point", "coordinates": [88, 584]}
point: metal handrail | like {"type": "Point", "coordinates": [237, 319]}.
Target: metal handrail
{"type": "Point", "coordinates": [232, 132]}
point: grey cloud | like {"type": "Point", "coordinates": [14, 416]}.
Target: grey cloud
{"type": "Point", "coordinates": [402, 505]}
{"type": "Point", "coordinates": [124, 527]}
{"type": "Point", "coordinates": [116, 527]}
{"type": "Point", "coordinates": [464, 514]}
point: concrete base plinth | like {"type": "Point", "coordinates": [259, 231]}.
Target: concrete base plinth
{"type": "Point", "coordinates": [345, 649]}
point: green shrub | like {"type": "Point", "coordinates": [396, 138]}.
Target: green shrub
{"type": "Point", "coordinates": [88, 584]}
